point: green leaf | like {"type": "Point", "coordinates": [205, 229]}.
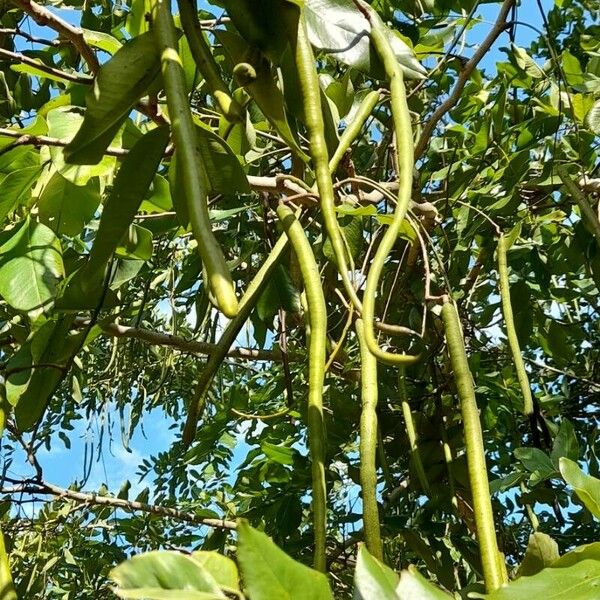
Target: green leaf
{"type": "Point", "coordinates": [338, 28]}
{"type": "Point", "coordinates": [120, 83]}
{"type": "Point", "coordinates": [31, 70]}
{"type": "Point", "coordinates": [280, 292]}
{"type": "Point", "coordinates": [39, 367]}
{"type": "Point", "coordinates": [130, 186]}
{"type": "Point", "coordinates": [505, 483]}
{"type": "Point", "coordinates": [593, 118]}
{"type": "Point", "coordinates": [223, 569]}
{"type": "Point", "coordinates": [102, 41]}
{"type": "Point", "coordinates": [165, 576]}
{"type": "Point", "coordinates": [413, 586]}
{"type": "Point", "coordinates": [574, 576]}
{"type": "Point", "coordinates": [65, 207]}
{"type": "Point", "coordinates": [372, 579]}
{"type": "Point", "coordinates": [63, 122]}
{"type": "Point", "coordinates": [135, 244]}
{"type": "Point", "coordinates": [352, 230]}
{"type": "Point", "coordinates": [19, 365]}
{"type": "Point", "coordinates": [277, 453]}
{"type": "Point", "coordinates": [536, 462]}
{"type": "Point", "coordinates": [31, 267]}
{"type": "Point", "coordinates": [15, 189]}
{"type": "Point", "coordinates": [571, 68]}
{"type": "Point", "coordinates": [269, 573]}
{"type": "Point", "coordinates": [527, 63]}
{"type": "Point", "coordinates": [541, 552]}
{"type": "Point", "coordinates": [565, 443]}
{"type": "Point", "coordinates": [586, 487]}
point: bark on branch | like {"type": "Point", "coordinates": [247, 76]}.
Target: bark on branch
{"type": "Point", "coordinates": [42, 16]}
{"type": "Point", "coordinates": [40, 66]}
{"type": "Point", "coordinates": [90, 499]}
{"type": "Point", "coordinates": [499, 26]}
{"type": "Point", "coordinates": [180, 343]}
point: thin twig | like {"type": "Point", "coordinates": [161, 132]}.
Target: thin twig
{"type": "Point", "coordinates": [92, 499]}
{"type": "Point", "coordinates": [29, 37]}
{"type": "Point", "coordinates": [40, 66]}
{"type": "Point", "coordinates": [546, 367]}
{"type": "Point", "coordinates": [180, 343]}
{"type": "Point", "coordinates": [42, 16]}
{"type": "Point", "coordinates": [499, 26]}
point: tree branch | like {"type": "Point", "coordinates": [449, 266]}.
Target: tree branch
{"type": "Point", "coordinates": [40, 66]}
{"type": "Point", "coordinates": [42, 16]}
{"type": "Point", "coordinates": [117, 503]}
{"type": "Point", "coordinates": [30, 38]}
{"type": "Point", "coordinates": [180, 343]}
{"type": "Point", "coordinates": [499, 26]}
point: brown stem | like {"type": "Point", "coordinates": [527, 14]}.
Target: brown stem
{"type": "Point", "coordinates": [128, 505]}
{"type": "Point", "coordinates": [42, 16]}
{"type": "Point", "coordinates": [499, 26]}
{"type": "Point", "coordinates": [40, 66]}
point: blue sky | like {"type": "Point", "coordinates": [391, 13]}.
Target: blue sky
{"type": "Point", "coordinates": [62, 466]}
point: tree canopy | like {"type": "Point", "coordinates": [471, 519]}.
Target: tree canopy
{"type": "Point", "coordinates": [333, 265]}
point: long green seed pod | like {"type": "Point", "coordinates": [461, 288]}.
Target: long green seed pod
{"type": "Point", "coordinates": [205, 61]}
{"type": "Point", "coordinates": [354, 128]}
{"type": "Point", "coordinates": [311, 98]}
{"type": "Point", "coordinates": [511, 332]}
{"type": "Point", "coordinates": [193, 177]}
{"type": "Point", "coordinates": [404, 141]}
{"type": "Point", "coordinates": [368, 445]}
{"type": "Point", "coordinates": [317, 317]}
{"type": "Point", "coordinates": [478, 478]}
{"type": "Point", "coordinates": [231, 332]}
{"type": "Point", "coordinates": [7, 588]}
{"type": "Point", "coordinates": [411, 433]}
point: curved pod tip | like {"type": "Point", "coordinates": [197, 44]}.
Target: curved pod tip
{"type": "Point", "coordinates": [224, 294]}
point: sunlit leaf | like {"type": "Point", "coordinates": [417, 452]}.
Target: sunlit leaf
{"type": "Point", "coordinates": [269, 573]}
{"type": "Point", "coordinates": [31, 267]}
{"type": "Point", "coordinates": [586, 487]}
{"type": "Point", "coordinates": [120, 83]}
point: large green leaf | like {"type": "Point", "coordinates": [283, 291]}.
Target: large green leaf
{"type": "Point", "coordinates": [130, 186]}
{"type": "Point", "coordinates": [38, 368]}
{"type": "Point", "coordinates": [165, 576]}
{"type": "Point", "coordinates": [565, 443]}
{"type": "Point", "coordinates": [586, 487]}
{"type": "Point", "coordinates": [15, 189]}
{"type": "Point", "coordinates": [538, 463]}
{"type": "Point", "coordinates": [541, 552]}
{"type": "Point", "coordinates": [120, 83]}
{"type": "Point", "coordinates": [67, 208]}
{"type": "Point", "coordinates": [135, 244]}
{"type": "Point", "coordinates": [413, 586]}
{"type": "Point", "coordinates": [270, 573]}
{"type": "Point", "coordinates": [31, 267]}
{"type": "Point", "coordinates": [41, 73]}
{"type": "Point", "coordinates": [593, 118]}
{"type": "Point", "coordinates": [372, 579]}
{"type": "Point", "coordinates": [223, 569]}
{"type": "Point", "coordinates": [574, 576]}
{"type": "Point", "coordinates": [340, 29]}
{"type": "Point", "coordinates": [63, 123]}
